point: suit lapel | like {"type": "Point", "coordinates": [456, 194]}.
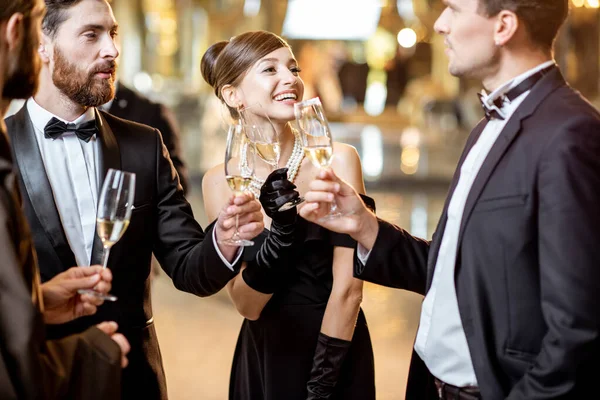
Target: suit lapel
{"type": "Point", "coordinates": [435, 244]}
{"type": "Point", "coordinates": [110, 158]}
{"type": "Point", "coordinates": [37, 185]}
{"type": "Point", "coordinates": [539, 92]}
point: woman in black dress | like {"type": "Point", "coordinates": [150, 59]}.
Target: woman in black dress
{"type": "Point", "coordinates": [304, 335]}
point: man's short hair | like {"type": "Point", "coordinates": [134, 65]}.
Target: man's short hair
{"type": "Point", "coordinates": [542, 18]}
{"type": "Point", "coordinates": [10, 7]}
{"type": "Point", "coordinates": [56, 14]}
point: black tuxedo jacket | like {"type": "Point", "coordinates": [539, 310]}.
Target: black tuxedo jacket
{"type": "Point", "coordinates": [528, 261]}
{"type": "Point", "coordinates": [161, 223]}
{"type": "Point", "coordinates": [132, 106]}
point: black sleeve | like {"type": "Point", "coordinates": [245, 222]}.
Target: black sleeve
{"type": "Point", "coordinates": [397, 260]}
{"type": "Point", "coordinates": [186, 253]}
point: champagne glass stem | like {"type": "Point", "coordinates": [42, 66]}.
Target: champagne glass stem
{"type": "Point", "coordinates": [236, 234]}
{"type": "Point", "coordinates": [333, 207]}
{"type": "Point", "coordinates": [105, 257]}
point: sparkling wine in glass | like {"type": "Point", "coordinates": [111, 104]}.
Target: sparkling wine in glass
{"type": "Point", "coordinates": [240, 155]}
{"type": "Point", "coordinates": [262, 133]}
{"type": "Point", "coordinates": [114, 213]}
{"type": "Point", "coordinates": [316, 137]}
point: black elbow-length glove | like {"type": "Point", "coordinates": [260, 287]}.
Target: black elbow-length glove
{"type": "Point", "coordinates": [327, 364]}
{"type": "Point", "coordinates": [264, 272]}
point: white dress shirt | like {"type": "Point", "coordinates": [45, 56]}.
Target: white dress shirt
{"type": "Point", "coordinates": [441, 342]}
{"type": "Point", "coordinates": [70, 165]}
{"type": "Point", "coordinates": [72, 169]}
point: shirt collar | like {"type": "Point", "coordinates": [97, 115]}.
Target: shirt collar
{"type": "Point", "coordinates": [40, 116]}
{"type": "Point", "coordinates": [489, 99]}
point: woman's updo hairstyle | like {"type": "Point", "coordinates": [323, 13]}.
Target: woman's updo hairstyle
{"type": "Point", "coordinates": [226, 62]}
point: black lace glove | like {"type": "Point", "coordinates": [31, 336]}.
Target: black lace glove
{"type": "Point", "coordinates": [263, 274]}
{"type": "Point", "coordinates": [327, 364]}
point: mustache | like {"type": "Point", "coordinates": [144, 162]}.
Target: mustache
{"type": "Point", "coordinates": [105, 67]}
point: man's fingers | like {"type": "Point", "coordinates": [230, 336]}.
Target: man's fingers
{"type": "Point", "coordinates": [245, 208]}
{"type": "Point", "coordinates": [87, 282]}
{"type": "Point", "coordinates": [108, 327]}
{"type": "Point", "coordinates": [87, 308]}
{"type": "Point", "coordinates": [124, 345]}
{"type": "Point", "coordinates": [319, 197]}
{"type": "Point", "coordinates": [249, 219]}
{"type": "Point", "coordinates": [318, 185]}
{"type": "Point", "coordinates": [242, 199]}
{"type": "Point", "coordinates": [81, 272]}
{"type": "Point", "coordinates": [313, 211]}
{"type": "Point", "coordinates": [106, 274]}
{"type": "Point", "coordinates": [103, 287]}
{"type": "Point", "coordinates": [328, 174]}
{"type": "Point", "coordinates": [251, 230]}
{"type": "Point", "coordinates": [91, 299]}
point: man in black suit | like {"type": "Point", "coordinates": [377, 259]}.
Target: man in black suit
{"type": "Point", "coordinates": [512, 276]}
{"type": "Point", "coordinates": [63, 147]}
{"type": "Point", "coordinates": [130, 105]}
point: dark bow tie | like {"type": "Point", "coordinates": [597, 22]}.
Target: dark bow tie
{"type": "Point", "coordinates": [495, 110]}
{"type": "Point", "coordinates": [55, 128]}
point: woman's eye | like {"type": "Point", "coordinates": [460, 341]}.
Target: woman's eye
{"type": "Point", "coordinates": [296, 70]}
{"type": "Point", "coordinates": [269, 69]}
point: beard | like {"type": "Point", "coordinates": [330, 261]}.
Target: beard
{"type": "Point", "coordinates": [82, 87]}
{"type": "Point", "coordinates": [23, 77]}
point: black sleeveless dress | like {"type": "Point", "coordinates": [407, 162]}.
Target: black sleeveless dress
{"type": "Point", "coordinates": [274, 354]}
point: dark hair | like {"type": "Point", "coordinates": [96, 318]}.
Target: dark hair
{"type": "Point", "coordinates": [226, 62]}
{"type": "Point", "coordinates": [56, 14]}
{"type": "Point", "coordinates": [10, 7]}
{"type": "Point", "coordinates": [542, 18]}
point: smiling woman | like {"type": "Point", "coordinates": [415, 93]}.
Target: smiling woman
{"type": "Point", "coordinates": [304, 336]}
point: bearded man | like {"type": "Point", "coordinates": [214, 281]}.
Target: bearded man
{"type": "Point", "coordinates": [63, 146]}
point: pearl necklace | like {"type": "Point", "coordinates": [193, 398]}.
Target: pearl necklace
{"type": "Point", "coordinates": [293, 165]}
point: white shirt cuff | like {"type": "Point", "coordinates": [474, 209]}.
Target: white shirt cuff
{"type": "Point", "coordinates": [227, 263]}
{"type": "Point", "coordinates": [362, 254]}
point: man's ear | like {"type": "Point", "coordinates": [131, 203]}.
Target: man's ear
{"type": "Point", "coordinates": [231, 96]}
{"type": "Point", "coordinates": [14, 31]}
{"type": "Point", "coordinates": [506, 27]}
{"type": "Point", "coordinates": [45, 49]}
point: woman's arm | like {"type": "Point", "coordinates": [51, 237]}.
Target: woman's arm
{"type": "Point", "coordinates": [346, 295]}
{"type": "Point", "coordinates": [248, 302]}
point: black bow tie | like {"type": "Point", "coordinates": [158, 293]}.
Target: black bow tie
{"type": "Point", "coordinates": [495, 110]}
{"type": "Point", "coordinates": [55, 128]}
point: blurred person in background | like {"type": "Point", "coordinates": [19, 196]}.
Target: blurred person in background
{"type": "Point", "coordinates": [133, 106]}
{"type": "Point", "coordinates": [83, 366]}
{"type": "Point", "coordinates": [63, 147]}
{"type": "Point", "coordinates": [511, 278]}
{"type": "Point", "coordinates": [304, 335]}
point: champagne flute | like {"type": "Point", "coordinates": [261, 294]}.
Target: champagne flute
{"type": "Point", "coordinates": [316, 137]}
{"type": "Point", "coordinates": [262, 133]}
{"type": "Point", "coordinates": [114, 214]}
{"type": "Point", "coordinates": [239, 168]}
